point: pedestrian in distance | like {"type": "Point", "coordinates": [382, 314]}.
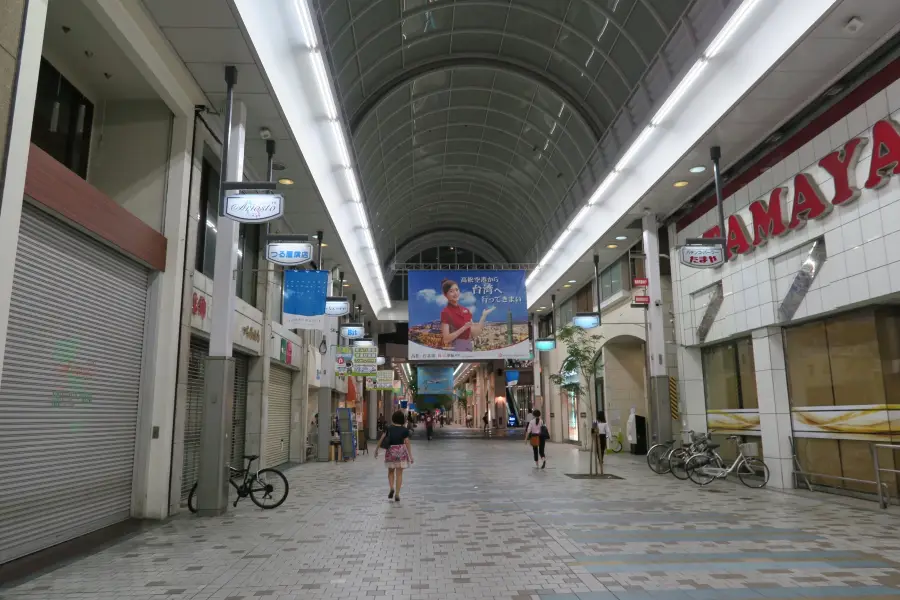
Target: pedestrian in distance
{"type": "Point", "coordinates": [536, 435]}
{"type": "Point", "coordinates": [429, 425]}
{"type": "Point", "coordinates": [395, 442]}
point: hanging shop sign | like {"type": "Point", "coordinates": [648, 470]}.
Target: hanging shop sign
{"type": "Point", "coordinates": [808, 200]}
{"type": "Point", "coordinates": [702, 257]}
{"type": "Point", "coordinates": [641, 300]}
{"type": "Point", "coordinates": [352, 331]}
{"type": "Point", "coordinates": [544, 344]}
{"type": "Point", "coordinates": [304, 299]}
{"type": "Point", "coordinates": [337, 306]}
{"type": "Point", "coordinates": [586, 320]}
{"type": "Point", "coordinates": [384, 381]}
{"type": "Point", "coordinates": [345, 352]}
{"type": "Point", "coordinates": [288, 253]}
{"type": "Point", "coordinates": [640, 282]}
{"type": "Point", "coordinates": [254, 208]}
{"type": "Point", "coordinates": [364, 343]}
{"type": "Point", "coordinates": [364, 362]}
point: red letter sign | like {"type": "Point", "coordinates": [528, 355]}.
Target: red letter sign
{"type": "Point", "coordinates": [841, 165]}
{"type": "Point", "coordinates": [737, 236]}
{"type": "Point", "coordinates": [808, 201]}
{"type": "Point", "coordinates": [885, 154]}
{"type": "Point", "coordinates": [768, 218]}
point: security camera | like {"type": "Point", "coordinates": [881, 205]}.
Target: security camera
{"type": "Point", "coordinates": [265, 133]}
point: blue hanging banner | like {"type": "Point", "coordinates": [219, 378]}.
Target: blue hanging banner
{"type": "Point", "coordinates": [305, 294]}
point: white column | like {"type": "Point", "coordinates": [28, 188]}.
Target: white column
{"type": "Point", "coordinates": [774, 405]}
{"type": "Point", "coordinates": [150, 498]}
{"type": "Point", "coordinates": [17, 157]}
{"type": "Point", "coordinates": [218, 400]}
{"type": "Point", "coordinates": [691, 390]}
{"type": "Point", "coordinates": [373, 415]}
{"type": "Point", "coordinates": [660, 412]}
{"type": "Point", "coordinates": [326, 415]}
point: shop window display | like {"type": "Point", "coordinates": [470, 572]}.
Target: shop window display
{"type": "Point", "coordinates": [730, 376]}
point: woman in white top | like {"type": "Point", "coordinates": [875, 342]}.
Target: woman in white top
{"type": "Point", "coordinates": [535, 437]}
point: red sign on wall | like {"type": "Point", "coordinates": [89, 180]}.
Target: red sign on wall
{"type": "Point", "coordinates": [768, 218]}
{"type": "Point", "coordinates": [641, 282]}
{"type": "Point", "coordinates": [642, 300]}
{"type": "Point", "coordinates": [199, 305]}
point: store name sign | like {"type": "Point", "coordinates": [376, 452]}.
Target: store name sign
{"type": "Point", "coordinates": [337, 306]}
{"type": "Point", "coordinates": [352, 331]}
{"type": "Point", "coordinates": [767, 215]}
{"type": "Point", "coordinates": [289, 253]}
{"type": "Point", "coordinates": [702, 257]}
{"type": "Point", "coordinates": [254, 208]}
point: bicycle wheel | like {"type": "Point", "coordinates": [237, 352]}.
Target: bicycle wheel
{"type": "Point", "coordinates": [614, 445]}
{"type": "Point", "coordinates": [192, 499]}
{"type": "Point", "coordinates": [753, 473]}
{"type": "Point", "coordinates": [269, 489]}
{"type": "Point", "coordinates": [656, 459]}
{"type": "Point", "coordinates": [677, 460]}
{"type": "Point", "coordinates": [697, 468]}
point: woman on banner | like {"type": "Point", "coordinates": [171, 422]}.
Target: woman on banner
{"type": "Point", "coordinates": [457, 327]}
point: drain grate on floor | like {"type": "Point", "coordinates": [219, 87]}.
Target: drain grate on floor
{"type": "Point", "coordinates": [588, 476]}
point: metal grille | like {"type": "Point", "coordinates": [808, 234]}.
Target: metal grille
{"type": "Point", "coordinates": [239, 412]}
{"type": "Point", "coordinates": [70, 386]}
{"type": "Point", "coordinates": [278, 432]}
{"type": "Point", "coordinates": [193, 414]}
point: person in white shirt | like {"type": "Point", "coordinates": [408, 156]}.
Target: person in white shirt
{"type": "Point", "coordinates": [603, 434]}
{"type": "Point", "coordinates": [534, 435]}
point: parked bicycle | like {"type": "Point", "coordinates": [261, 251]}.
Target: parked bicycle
{"type": "Point", "coordinates": [704, 468]}
{"type": "Point", "coordinates": [678, 457]}
{"type": "Point", "coordinates": [656, 457]}
{"type": "Point", "coordinates": [614, 443]}
{"type": "Point", "coordinates": [262, 486]}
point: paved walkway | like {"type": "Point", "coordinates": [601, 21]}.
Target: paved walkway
{"type": "Point", "coordinates": [478, 522]}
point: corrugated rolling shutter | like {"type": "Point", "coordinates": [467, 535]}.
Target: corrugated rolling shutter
{"type": "Point", "coordinates": [278, 433]}
{"type": "Point", "coordinates": [239, 411]}
{"type": "Point", "coordinates": [193, 414]}
{"type": "Point", "coordinates": [70, 386]}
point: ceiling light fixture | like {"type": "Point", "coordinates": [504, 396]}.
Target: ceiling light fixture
{"type": "Point", "coordinates": [572, 281]}
{"type": "Point", "coordinates": [612, 246]}
{"type": "Point", "coordinates": [621, 237]}
{"type": "Point", "coordinates": [698, 169]}
{"type": "Point", "coordinates": [680, 184]}
{"type": "Point", "coordinates": [660, 117]}
{"type": "Point", "coordinates": [286, 181]}
{"type": "Point", "coordinates": [307, 25]}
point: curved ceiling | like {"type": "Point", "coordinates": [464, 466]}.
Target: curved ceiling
{"type": "Point", "coordinates": [479, 116]}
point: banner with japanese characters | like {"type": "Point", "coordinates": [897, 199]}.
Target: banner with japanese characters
{"type": "Point", "coordinates": [468, 315]}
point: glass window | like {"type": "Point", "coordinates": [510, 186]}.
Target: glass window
{"type": "Point", "coordinates": [611, 279]}
{"type": "Point", "coordinates": [835, 362]}
{"type": "Point", "coordinates": [730, 376]}
{"type": "Point", "coordinates": [584, 298]}
{"type": "Point", "coordinates": [62, 121]}
{"type": "Point", "coordinates": [566, 312]}
{"type": "Point", "coordinates": [247, 263]}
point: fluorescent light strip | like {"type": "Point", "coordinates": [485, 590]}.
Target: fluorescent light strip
{"type": "Point", "coordinates": [677, 94]}
{"type": "Point", "coordinates": [361, 212]}
{"type": "Point", "coordinates": [306, 23]}
{"type": "Point", "coordinates": [318, 65]}
{"type": "Point", "coordinates": [730, 27]}
{"type": "Point", "coordinates": [342, 145]}
{"type": "Point", "coordinates": [350, 176]}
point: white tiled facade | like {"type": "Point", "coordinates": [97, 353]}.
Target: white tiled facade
{"type": "Point", "coordinates": [862, 244]}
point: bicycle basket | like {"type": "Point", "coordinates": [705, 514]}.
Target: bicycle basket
{"type": "Point", "coordinates": [750, 449]}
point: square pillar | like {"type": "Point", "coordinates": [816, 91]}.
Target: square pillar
{"type": "Point", "coordinates": [691, 389]}
{"type": "Point", "coordinates": [774, 405]}
{"type": "Point", "coordinates": [299, 411]}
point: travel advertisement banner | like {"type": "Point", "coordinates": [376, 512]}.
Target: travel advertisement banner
{"type": "Point", "coordinates": [305, 293]}
{"type": "Point", "coordinates": [435, 381]}
{"type": "Point", "coordinates": [468, 315]}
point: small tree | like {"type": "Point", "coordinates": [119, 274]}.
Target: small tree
{"type": "Point", "coordinates": [582, 348]}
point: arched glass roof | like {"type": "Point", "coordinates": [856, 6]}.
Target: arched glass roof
{"type": "Point", "coordinates": [481, 116]}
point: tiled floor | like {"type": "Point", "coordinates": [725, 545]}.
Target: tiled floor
{"type": "Point", "coordinates": [478, 522]}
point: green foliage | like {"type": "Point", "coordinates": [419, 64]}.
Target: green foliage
{"type": "Point", "coordinates": [582, 348]}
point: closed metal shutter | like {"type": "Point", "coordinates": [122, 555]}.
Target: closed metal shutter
{"type": "Point", "coordinates": [239, 413]}
{"type": "Point", "coordinates": [194, 412]}
{"type": "Point", "coordinates": [70, 387]}
{"type": "Point", "coordinates": [193, 417]}
{"type": "Point", "coordinates": [278, 433]}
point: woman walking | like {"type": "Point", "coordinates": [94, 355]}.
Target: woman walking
{"type": "Point", "coordinates": [536, 436]}
{"type": "Point", "coordinates": [397, 452]}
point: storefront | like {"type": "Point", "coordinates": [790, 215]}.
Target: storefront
{"type": "Point", "coordinates": [795, 338]}
{"type": "Point", "coordinates": [199, 352]}
{"type": "Point", "coordinates": [71, 386]}
{"type": "Point", "coordinates": [278, 429]}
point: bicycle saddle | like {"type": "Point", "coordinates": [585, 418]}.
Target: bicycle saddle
{"type": "Point", "coordinates": [251, 457]}
{"type": "Point", "coordinates": [669, 443]}
{"type": "Point", "coordinates": [713, 446]}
